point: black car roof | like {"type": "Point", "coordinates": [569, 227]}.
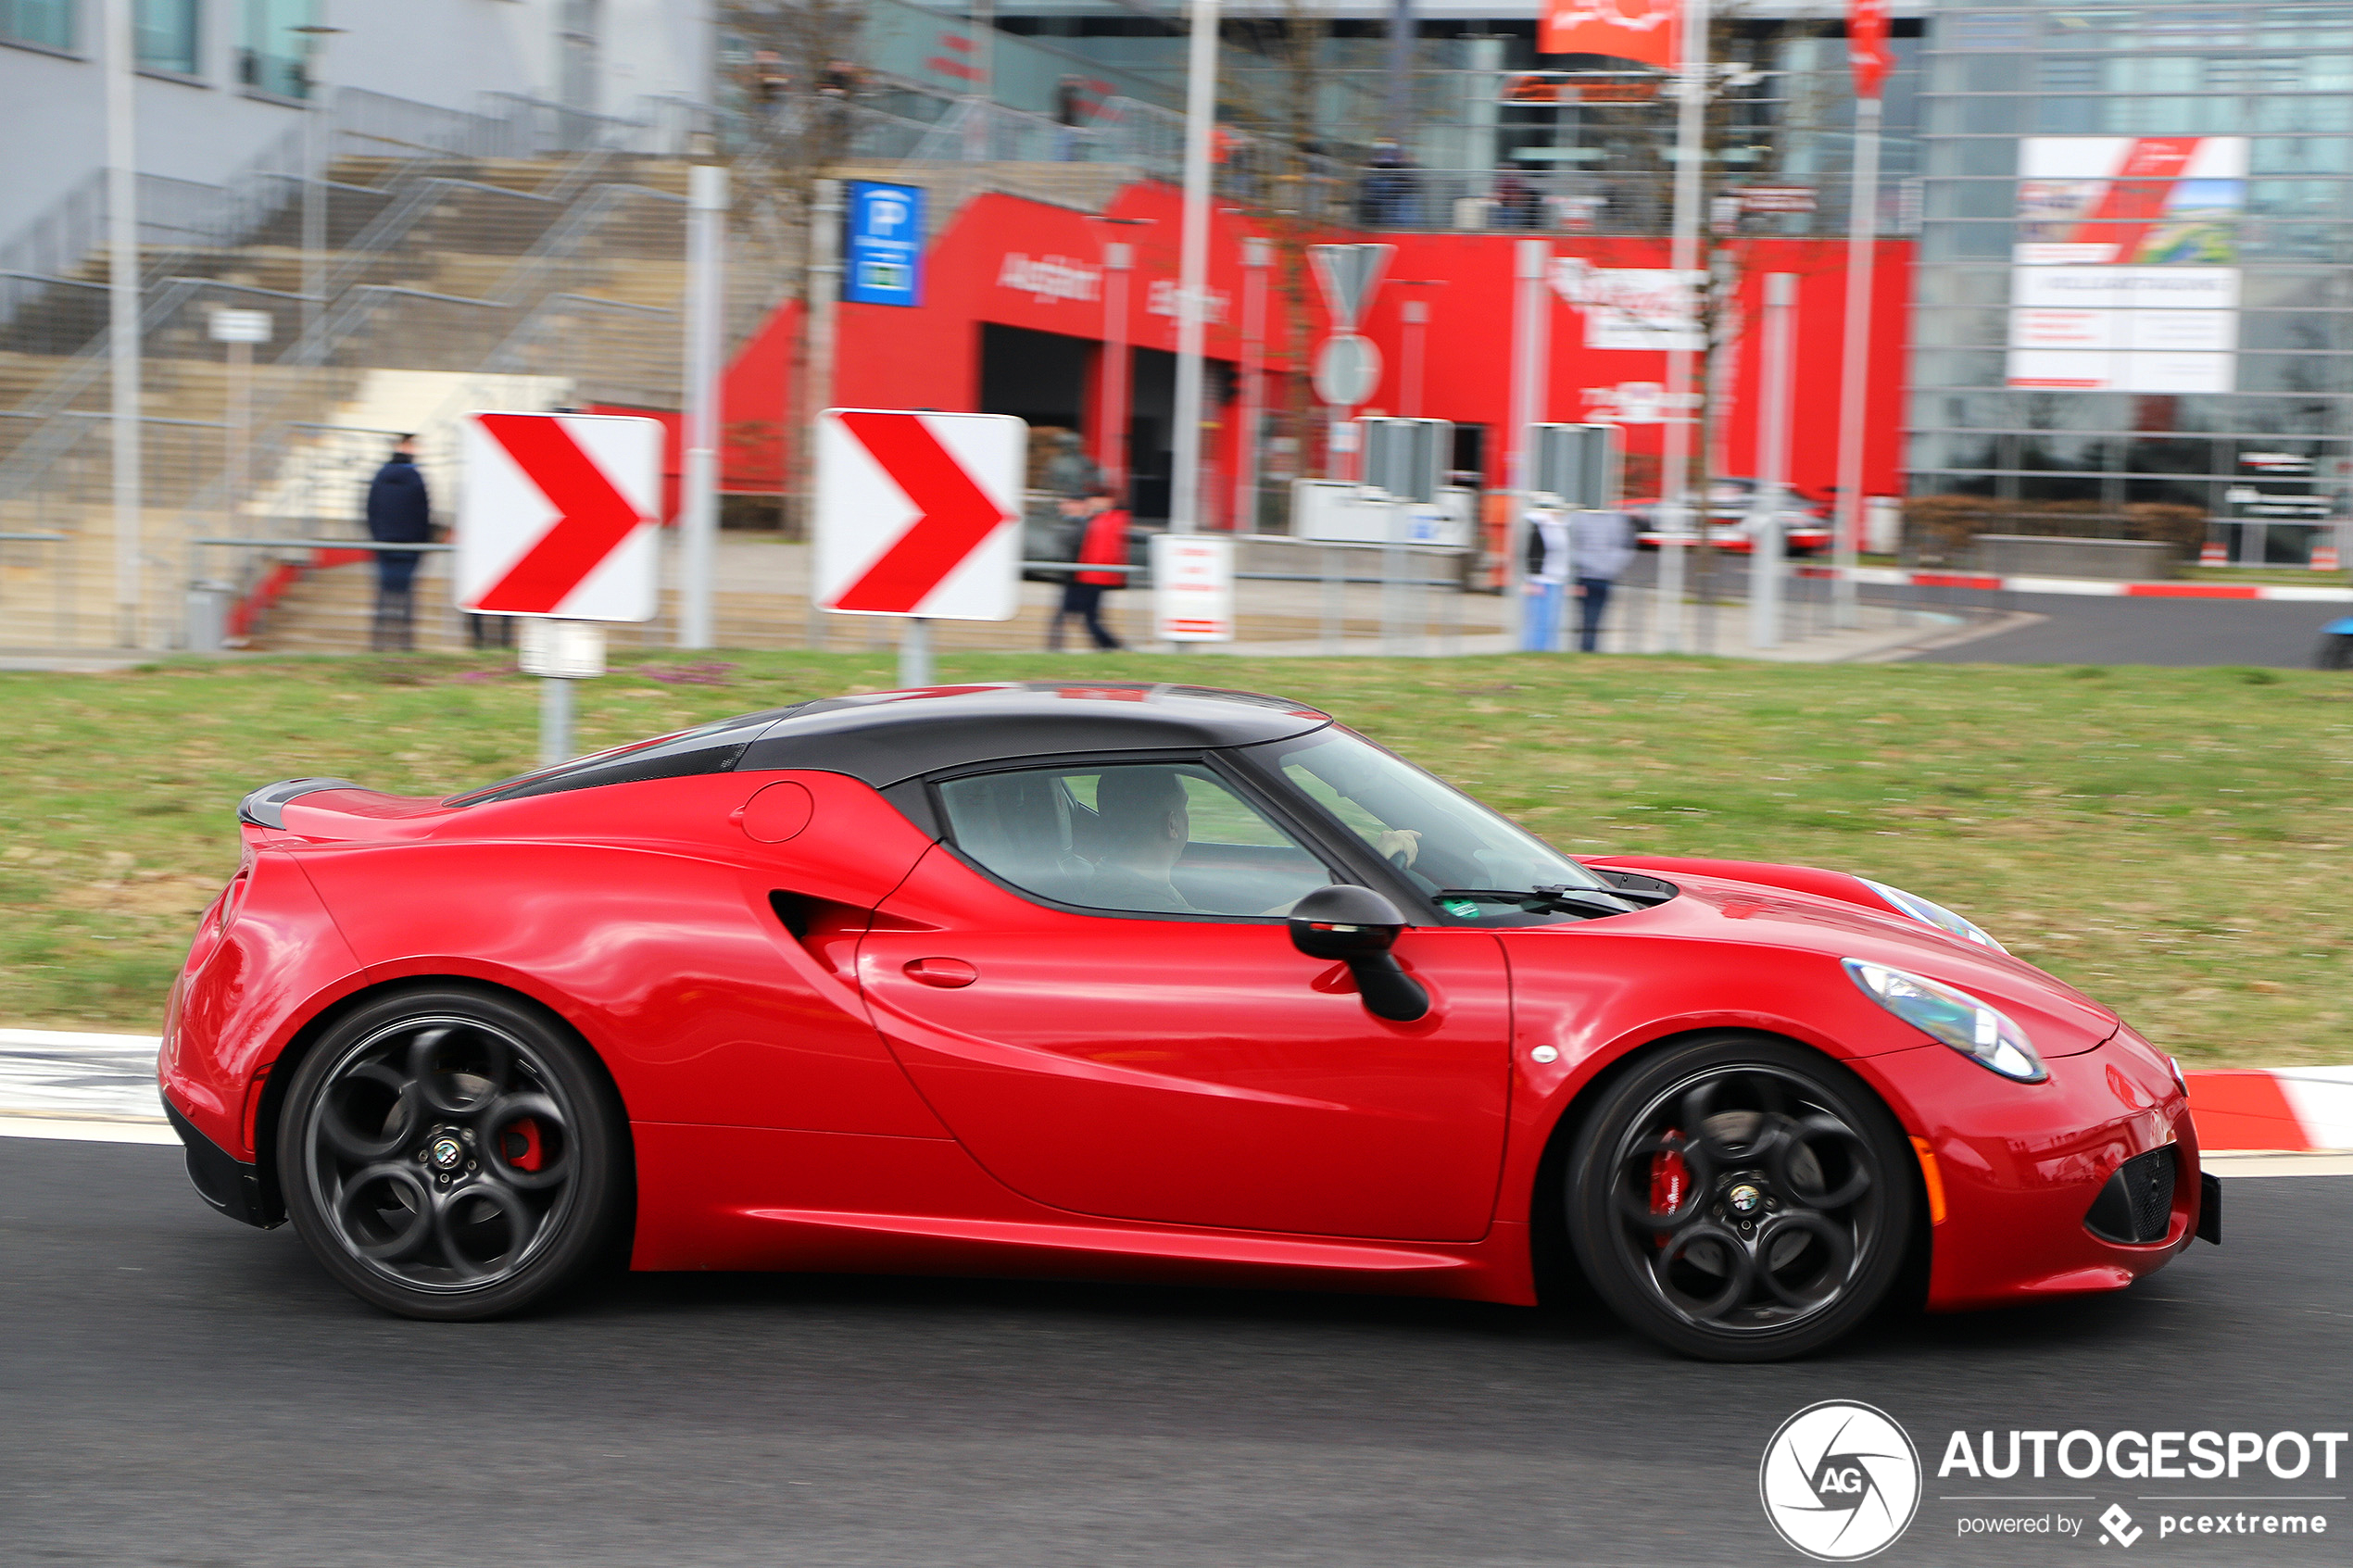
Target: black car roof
{"type": "Point", "coordinates": [884, 737]}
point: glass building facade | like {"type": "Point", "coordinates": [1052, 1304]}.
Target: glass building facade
{"type": "Point", "coordinates": [2132, 276]}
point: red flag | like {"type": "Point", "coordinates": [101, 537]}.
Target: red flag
{"type": "Point", "coordinates": [1647, 31]}
{"type": "Point", "coordinates": [1867, 50]}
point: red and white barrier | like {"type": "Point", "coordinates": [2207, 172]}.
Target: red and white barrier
{"type": "Point", "coordinates": [2286, 1108]}
{"type": "Point", "coordinates": [2088, 587]}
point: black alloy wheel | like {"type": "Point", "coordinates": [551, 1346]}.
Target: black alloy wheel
{"type": "Point", "coordinates": [1739, 1199]}
{"type": "Point", "coordinates": [2335, 652]}
{"type": "Point", "coordinates": [449, 1153]}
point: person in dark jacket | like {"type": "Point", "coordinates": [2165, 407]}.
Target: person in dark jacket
{"type": "Point", "coordinates": [399, 512]}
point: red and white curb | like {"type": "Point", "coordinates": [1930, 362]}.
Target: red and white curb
{"type": "Point", "coordinates": [90, 1089]}
{"type": "Point", "coordinates": [2083, 587]}
{"type": "Point", "coordinates": [2289, 1108]}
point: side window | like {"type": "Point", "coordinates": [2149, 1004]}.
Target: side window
{"type": "Point", "coordinates": [1145, 838]}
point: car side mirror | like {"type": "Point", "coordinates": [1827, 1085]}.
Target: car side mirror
{"type": "Point", "coordinates": [1357, 926]}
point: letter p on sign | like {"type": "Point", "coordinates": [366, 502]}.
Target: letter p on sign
{"type": "Point", "coordinates": [920, 514]}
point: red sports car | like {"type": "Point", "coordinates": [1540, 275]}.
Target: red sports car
{"type": "Point", "coordinates": [1136, 982]}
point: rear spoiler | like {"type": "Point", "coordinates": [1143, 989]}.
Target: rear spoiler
{"type": "Point", "coordinates": [266, 806]}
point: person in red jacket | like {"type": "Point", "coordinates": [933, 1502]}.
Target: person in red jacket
{"type": "Point", "coordinates": [1103, 542]}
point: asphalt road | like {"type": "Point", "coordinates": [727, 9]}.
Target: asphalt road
{"type": "Point", "coordinates": [2174, 632]}
{"type": "Point", "coordinates": [2090, 631]}
{"type": "Point", "coordinates": [176, 1389]}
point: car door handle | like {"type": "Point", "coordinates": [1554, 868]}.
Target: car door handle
{"type": "Point", "coordinates": [947, 974]}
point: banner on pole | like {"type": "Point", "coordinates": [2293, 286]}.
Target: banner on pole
{"type": "Point", "coordinates": [1647, 31]}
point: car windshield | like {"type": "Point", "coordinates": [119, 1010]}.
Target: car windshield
{"type": "Point", "coordinates": [1439, 837]}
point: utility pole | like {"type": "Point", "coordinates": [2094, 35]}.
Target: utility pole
{"type": "Point", "coordinates": [1675, 511]}
{"type": "Point", "coordinates": [1531, 318]}
{"type": "Point", "coordinates": [123, 317]}
{"type": "Point", "coordinates": [1766, 557]}
{"type": "Point", "coordinates": [825, 293]}
{"type": "Point", "coordinates": [1398, 116]}
{"type": "Point", "coordinates": [1258, 255]}
{"type": "Point", "coordinates": [1192, 285]}
{"type": "Point", "coordinates": [1854, 377]}
{"type": "Point", "coordinates": [706, 311]}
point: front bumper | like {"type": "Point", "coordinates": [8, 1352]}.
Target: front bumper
{"type": "Point", "coordinates": [2025, 1166]}
{"type": "Point", "coordinates": [223, 1180]}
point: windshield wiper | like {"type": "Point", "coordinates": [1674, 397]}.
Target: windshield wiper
{"type": "Point", "coordinates": [1558, 896]}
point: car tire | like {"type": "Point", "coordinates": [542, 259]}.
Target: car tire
{"type": "Point", "coordinates": [2335, 652]}
{"type": "Point", "coordinates": [1773, 1231]}
{"type": "Point", "coordinates": [454, 1154]}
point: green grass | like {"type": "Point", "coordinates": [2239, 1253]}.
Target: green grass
{"type": "Point", "coordinates": [2173, 841]}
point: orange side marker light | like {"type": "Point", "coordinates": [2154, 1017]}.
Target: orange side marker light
{"type": "Point", "coordinates": [1935, 1181]}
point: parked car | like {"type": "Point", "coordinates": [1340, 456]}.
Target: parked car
{"type": "Point", "coordinates": [2335, 651]}
{"type": "Point", "coordinates": [1135, 982]}
{"type": "Point", "coordinates": [1806, 524]}
{"type": "Point", "coordinates": [1047, 536]}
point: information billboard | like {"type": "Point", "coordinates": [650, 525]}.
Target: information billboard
{"type": "Point", "coordinates": [2123, 277]}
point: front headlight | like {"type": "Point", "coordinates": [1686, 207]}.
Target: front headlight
{"type": "Point", "coordinates": [1959, 1020]}
{"type": "Point", "coordinates": [1934, 914]}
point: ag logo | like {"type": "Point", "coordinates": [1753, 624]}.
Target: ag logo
{"type": "Point", "coordinates": [1840, 1481]}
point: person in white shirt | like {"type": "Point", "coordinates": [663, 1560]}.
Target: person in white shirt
{"type": "Point", "coordinates": [1545, 580]}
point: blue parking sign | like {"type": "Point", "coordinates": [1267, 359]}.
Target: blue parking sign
{"type": "Point", "coordinates": [886, 262]}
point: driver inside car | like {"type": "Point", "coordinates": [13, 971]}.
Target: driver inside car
{"type": "Point", "coordinates": [1145, 824]}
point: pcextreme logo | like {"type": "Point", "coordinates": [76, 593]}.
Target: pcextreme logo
{"type": "Point", "coordinates": [1840, 1481]}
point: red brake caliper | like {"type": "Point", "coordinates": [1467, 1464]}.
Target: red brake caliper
{"type": "Point", "coordinates": [1670, 1182]}
{"type": "Point", "coordinates": [520, 1143]}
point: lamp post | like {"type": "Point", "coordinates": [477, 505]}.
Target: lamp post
{"type": "Point", "coordinates": [1192, 285]}
{"type": "Point", "coordinates": [122, 321]}
{"type": "Point", "coordinates": [706, 310]}
{"type": "Point", "coordinates": [1674, 490]}
{"type": "Point", "coordinates": [314, 173]}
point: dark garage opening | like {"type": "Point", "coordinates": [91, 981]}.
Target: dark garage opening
{"type": "Point", "coordinates": [1040, 377]}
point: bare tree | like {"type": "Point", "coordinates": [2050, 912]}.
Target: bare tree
{"type": "Point", "coordinates": [795, 80]}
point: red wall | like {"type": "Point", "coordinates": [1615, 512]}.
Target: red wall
{"type": "Point", "coordinates": [929, 357]}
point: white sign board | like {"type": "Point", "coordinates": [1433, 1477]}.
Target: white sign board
{"type": "Point", "coordinates": [919, 513]}
{"type": "Point", "coordinates": [240, 326]}
{"type": "Point", "coordinates": [559, 515]}
{"type": "Point", "coordinates": [1193, 587]}
{"type": "Point", "coordinates": [1329, 512]}
{"type": "Point", "coordinates": [569, 651]}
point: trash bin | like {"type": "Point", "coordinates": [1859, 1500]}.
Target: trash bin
{"type": "Point", "coordinates": [208, 616]}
